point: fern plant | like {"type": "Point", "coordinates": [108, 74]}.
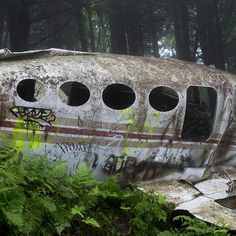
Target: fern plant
{"type": "Point", "coordinates": [195, 227]}
{"type": "Point", "coordinates": [38, 198]}
{"type": "Point", "coordinates": [33, 193]}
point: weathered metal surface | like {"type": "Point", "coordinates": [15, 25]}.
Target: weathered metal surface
{"type": "Point", "coordinates": [93, 129]}
{"type": "Point", "coordinates": [209, 207]}
{"type": "Point", "coordinates": [208, 200]}
{"type": "Point", "coordinates": [188, 134]}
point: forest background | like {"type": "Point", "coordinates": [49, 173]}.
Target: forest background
{"type": "Point", "coordinates": [202, 31]}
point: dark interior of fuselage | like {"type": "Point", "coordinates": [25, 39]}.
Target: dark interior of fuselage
{"type": "Point", "coordinates": [200, 113]}
{"type": "Point", "coordinates": [26, 90]}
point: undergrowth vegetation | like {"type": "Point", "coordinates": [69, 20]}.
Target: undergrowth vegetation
{"type": "Point", "coordinates": [37, 197]}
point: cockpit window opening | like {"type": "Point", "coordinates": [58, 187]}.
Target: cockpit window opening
{"type": "Point", "coordinates": [163, 98]}
{"type": "Point", "coordinates": [200, 113]}
{"type": "Point", "coordinates": [118, 96]}
{"type": "Point", "coordinates": [74, 93]}
{"type": "Point", "coordinates": [30, 90]}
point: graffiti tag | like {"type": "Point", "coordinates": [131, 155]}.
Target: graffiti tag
{"type": "Point", "coordinates": [33, 115]}
{"type": "Point", "coordinates": [72, 147]}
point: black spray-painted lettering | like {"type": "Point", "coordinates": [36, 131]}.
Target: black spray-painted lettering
{"type": "Point", "coordinates": [33, 115]}
{"type": "Point", "coordinates": [72, 147]}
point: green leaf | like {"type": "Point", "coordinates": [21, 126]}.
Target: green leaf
{"type": "Point", "coordinates": [14, 218]}
{"type": "Point", "coordinates": [78, 210]}
{"type": "Point", "coordinates": [47, 203]}
{"type": "Point", "coordinates": [91, 221]}
{"type": "Point", "coordinates": [125, 208]}
{"type": "Point", "coordinates": [182, 218]}
{"type": "Point", "coordinates": [61, 227]}
{"type": "Point", "coordinates": [162, 199]}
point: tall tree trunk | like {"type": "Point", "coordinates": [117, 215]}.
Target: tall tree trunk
{"type": "Point", "coordinates": [135, 39]}
{"type": "Point", "coordinates": [55, 21]}
{"type": "Point", "coordinates": [6, 37]}
{"type": "Point", "coordinates": [2, 21]}
{"type": "Point", "coordinates": [103, 42]}
{"type": "Point", "coordinates": [134, 30]}
{"type": "Point", "coordinates": [117, 28]}
{"type": "Point", "coordinates": [155, 46]}
{"type": "Point", "coordinates": [81, 24]}
{"type": "Point", "coordinates": [180, 18]}
{"type": "Point", "coordinates": [219, 45]}
{"type": "Point", "coordinates": [91, 27]}
{"type": "Point", "coordinates": [227, 23]}
{"type": "Point", "coordinates": [19, 25]}
{"type": "Point", "coordinates": [210, 33]}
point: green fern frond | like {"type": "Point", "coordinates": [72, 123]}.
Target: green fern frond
{"type": "Point", "coordinates": [14, 218]}
{"type": "Point", "coordinates": [92, 222]}
{"type": "Point", "coordinates": [78, 210]}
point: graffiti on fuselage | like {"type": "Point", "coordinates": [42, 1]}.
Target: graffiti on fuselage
{"type": "Point", "coordinates": [29, 125]}
{"type": "Point", "coordinates": [134, 117]}
{"type": "Point", "coordinates": [116, 157]}
{"type": "Point", "coordinates": [34, 117]}
{"type": "Point", "coordinates": [74, 147]}
{"type": "Point", "coordinates": [111, 155]}
{"type": "Point", "coordinates": [135, 168]}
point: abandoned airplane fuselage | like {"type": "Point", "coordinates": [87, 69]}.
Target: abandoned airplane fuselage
{"type": "Point", "coordinates": [140, 117]}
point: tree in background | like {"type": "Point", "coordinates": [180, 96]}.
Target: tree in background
{"type": "Point", "coordinates": [19, 24]}
{"type": "Point", "coordinates": [192, 30]}
{"type": "Point", "coordinates": [135, 26]}
{"type": "Point", "coordinates": [210, 33]}
{"type": "Point", "coordinates": [181, 26]}
{"type": "Point", "coordinates": [117, 22]}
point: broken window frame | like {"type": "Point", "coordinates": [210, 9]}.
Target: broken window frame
{"type": "Point", "coordinates": [74, 101]}
{"type": "Point", "coordinates": [30, 91]}
{"type": "Point", "coordinates": [204, 116]}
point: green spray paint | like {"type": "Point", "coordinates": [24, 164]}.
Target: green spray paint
{"type": "Point", "coordinates": [128, 116]}
{"type": "Point", "coordinates": [27, 136]}
{"type": "Point", "coordinates": [151, 122]}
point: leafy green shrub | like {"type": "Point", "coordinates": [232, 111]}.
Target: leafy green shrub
{"type": "Point", "coordinates": [33, 193]}
{"type": "Point", "coordinates": [148, 213]}
{"type": "Point", "coordinates": [37, 197]}
{"type": "Point", "coordinates": [195, 227]}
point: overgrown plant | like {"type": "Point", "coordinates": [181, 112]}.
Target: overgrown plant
{"type": "Point", "coordinates": [37, 197]}
{"type": "Point", "coordinates": [34, 196]}
{"type": "Point", "coordinates": [195, 227]}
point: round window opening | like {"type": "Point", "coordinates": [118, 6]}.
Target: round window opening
{"type": "Point", "coordinates": [163, 98]}
{"type": "Point", "coordinates": [118, 96]}
{"type": "Point", "coordinates": [74, 93]}
{"type": "Point", "coordinates": [30, 90]}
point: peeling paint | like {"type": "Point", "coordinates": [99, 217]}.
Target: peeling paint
{"type": "Point", "coordinates": [144, 131]}
{"type": "Point", "coordinates": [136, 143]}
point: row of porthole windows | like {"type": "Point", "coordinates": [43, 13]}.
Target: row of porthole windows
{"type": "Point", "coordinates": [116, 96]}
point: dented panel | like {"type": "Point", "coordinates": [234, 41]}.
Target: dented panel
{"type": "Point", "coordinates": [147, 130]}
{"type": "Point", "coordinates": [140, 118]}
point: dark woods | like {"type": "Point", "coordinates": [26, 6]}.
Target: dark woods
{"type": "Point", "coordinates": [191, 30]}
